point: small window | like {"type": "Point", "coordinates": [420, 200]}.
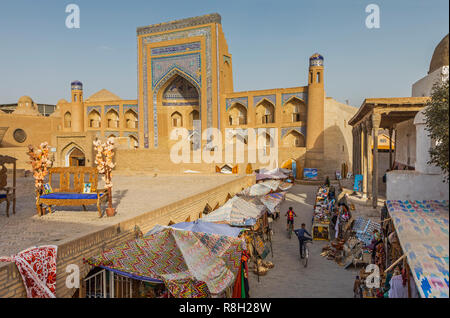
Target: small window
{"type": "Point", "coordinates": [318, 77]}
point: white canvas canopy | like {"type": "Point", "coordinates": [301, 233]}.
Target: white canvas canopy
{"type": "Point", "coordinates": [237, 212]}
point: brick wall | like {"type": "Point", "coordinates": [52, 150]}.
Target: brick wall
{"type": "Point", "coordinates": [73, 251]}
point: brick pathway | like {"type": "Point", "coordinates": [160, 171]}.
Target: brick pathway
{"type": "Point", "coordinates": [322, 277]}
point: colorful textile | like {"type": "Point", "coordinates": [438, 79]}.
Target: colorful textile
{"type": "Point", "coordinates": [364, 229]}
{"type": "Point", "coordinates": [284, 186]}
{"type": "Point", "coordinates": [208, 227]}
{"type": "Point", "coordinates": [37, 266]}
{"type": "Point", "coordinates": [256, 190]}
{"type": "Point", "coordinates": [422, 228]}
{"type": "Point", "coordinates": [236, 212]}
{"type": "Point", "coordinates": [183, 260]}
{"type": "Point", "coordinates": [273, 200]}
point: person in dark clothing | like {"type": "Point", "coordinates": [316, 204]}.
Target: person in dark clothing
{"type": "Point", "coordinates": [302, 238]}
{"type": "Point", "coordinates": [332, 193]}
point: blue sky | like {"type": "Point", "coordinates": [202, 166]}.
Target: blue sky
{"type": "Point", "coordinates": [270, 42]}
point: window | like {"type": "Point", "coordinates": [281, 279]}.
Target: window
{"type": "Point", "coordinates": [131, 119]}
{"type": "Point", "coordinates": [112, 119]}
{"type": "Point", "coordinates": [318, 77]}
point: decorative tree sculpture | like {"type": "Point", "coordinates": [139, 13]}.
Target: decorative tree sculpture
{"type": "Point", "coordinates": [104, 162]}
{"type": "Point", "coordinates": [40, 162]}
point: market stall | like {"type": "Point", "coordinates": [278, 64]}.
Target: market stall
{"type": "Point", "coordinates": [322, 215]}
{"type": "Point", "coordinates": [249, 213]}
{"type": "Point", "coordinates": [422, 230]}
{"type": "Point", "coordinates": [189, 264]}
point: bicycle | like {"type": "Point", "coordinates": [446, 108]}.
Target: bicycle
{"type": "Point", "coordinates": [305, 258]}
{"type": "Point", "coordinates": [290, 230]}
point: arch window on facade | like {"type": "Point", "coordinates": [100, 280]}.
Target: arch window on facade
{"type": "Point", "coordinates": [94, 119]}
{"type": "Point", "coordinates": [194, 115]}
{"type": "Point", "coordinates": [176, 119]}
{"type": "Point", "coordinates": [133, 142]}
{"type": "Point", "coordinates": [112, 119]}
{"type": "Point", "coordinates": [265, 142]}
{"type": "Point", "coordinates": [180, 92]}
{"type": "Point", "coordinates": [237, 115]}
{"type": "Point", "coordinates": [294, 139]}
{"type": "Point", "coordinates": [296, 109]}
{"type": "Point", "coordinates": [131, 119]}
{"type": "Point", "coordinates": [265, 111]}
{"type": "Point", "coordinates": [67, 120]}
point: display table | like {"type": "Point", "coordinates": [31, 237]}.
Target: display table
{"type": "Point", "coordinates": [321, 231]}
{"type": "Point", "coordinates": [321, 216]}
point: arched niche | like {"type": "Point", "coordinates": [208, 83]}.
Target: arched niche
{"type": "Point", "coordinates": [265, 112]}
{"type": "Point", "coordinates": [94, 119]}
{"type": "Point", "coordinates": [176, 119]}
{"type": "Point", "coordinates": [67, 120]}
{"type": "Point", "coordinates": [295, 110]}
{"type": "Point", "coordinates": [237, 115]}
{"type": "Point", "coordinates": [131, 119]}
{"type": "Point", "coordinates": [112, 119]}
{"type": "Point", "coordinates": [294, 139]}
{"type": "Point", "coordinates": [180, 92]}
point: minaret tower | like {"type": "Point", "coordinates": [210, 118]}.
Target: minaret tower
{"type": "Point", "coordinates": [77, 106]}
{"type": "Point", "coordinates": [315, 114]}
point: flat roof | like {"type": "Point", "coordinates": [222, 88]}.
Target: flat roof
{"type": "Point", "coordinates": [370, 103]}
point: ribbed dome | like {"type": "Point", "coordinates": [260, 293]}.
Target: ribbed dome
{"type": "Point", "coordinates": [25, 99]}
{"type": "Point", "coordinates": [440, 55]}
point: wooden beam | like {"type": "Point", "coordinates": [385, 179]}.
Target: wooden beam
{"type": "Point", "coordinates": [395, 263]}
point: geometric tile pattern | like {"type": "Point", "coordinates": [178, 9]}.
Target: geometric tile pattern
{"type": "Point", "coordinates": [115, 107]}
{"type": "Point", "coordinates": [241, 100]}
{"type": "Point", "coordinates": [270, 98]}
{"type": "Point", "coordinates": [301, 95]}
{"type": "Point", "coordinates": [179, 48]}
{"type": "Point", "coordinates": [91, 108]}
{"type": "Point", "coordinates": [189, 64]}
{"type": "Point", "coordinates": [301, 130]}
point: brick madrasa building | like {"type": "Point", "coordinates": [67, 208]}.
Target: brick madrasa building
{"type": "Point", "coordinates": [185, 80]}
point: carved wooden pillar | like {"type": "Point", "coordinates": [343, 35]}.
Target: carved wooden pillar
{"type": "Point", "coordinates": [365, 161]}
{"type": "Point", "coordinates": [390, 147]}
{"type": "Point", "coordinates": [376, 120]}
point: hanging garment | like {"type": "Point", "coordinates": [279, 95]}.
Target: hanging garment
{"type": "Point", "coordinates": [37, 266]}
{"type": "Point", "coordinates": [397, 290]}
{"type": "Point", "coordinates": [237, 284]}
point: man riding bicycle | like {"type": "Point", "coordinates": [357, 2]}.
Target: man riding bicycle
{"type": "Point", "coordinates": [290, 217]}
{"type": "Point", "coordinates": [302, 238]}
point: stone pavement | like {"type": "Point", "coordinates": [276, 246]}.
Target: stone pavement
{"type": "Point", "coordinates": [289, 279]}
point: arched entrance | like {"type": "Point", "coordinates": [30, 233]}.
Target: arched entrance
{"type": "Point", "coordinates": [76, 158]}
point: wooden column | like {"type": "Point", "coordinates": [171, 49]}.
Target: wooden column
{"type": "Point", "coordinates": [390, 147]}
{"type": "Point", "coordinates": [365, 160]}
{"type": "Point", "coordinates": [376, 120]}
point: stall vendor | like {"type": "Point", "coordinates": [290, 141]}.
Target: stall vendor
{"type": "Point", "coordinates": [375, 241]}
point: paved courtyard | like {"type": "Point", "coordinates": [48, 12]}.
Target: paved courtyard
{"type": "Point", "coordinates": [132, 196]}
{"type": "Point", "coordinates": [289, 279]}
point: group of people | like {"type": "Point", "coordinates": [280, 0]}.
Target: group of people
{"type": "Point", "coordinates": [290, 214]}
